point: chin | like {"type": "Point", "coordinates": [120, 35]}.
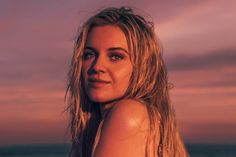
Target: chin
{"type": "Point", "coordinates": [99, 98]}
{"type": "Point", "coordinates": [103, 98]}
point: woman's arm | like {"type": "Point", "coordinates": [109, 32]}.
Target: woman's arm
{"type": "Point", "coordinates": [124, 131]}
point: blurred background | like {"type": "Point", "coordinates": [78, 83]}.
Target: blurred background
{"type": "Point", "coordinates": [36, 43]}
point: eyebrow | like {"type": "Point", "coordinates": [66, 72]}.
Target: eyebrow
{"type": "Point", "coordinates": [118, 48]}
{"type": "Point", "coordinates": [90, 48]}
{"type": "Point", "coordinates": [110, 49]}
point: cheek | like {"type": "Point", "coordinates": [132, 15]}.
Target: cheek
{"type": "Point", "coordinates": [85, 67]}
{"type": "Point", "coordinates": [84, 70]}
{"type": "Point", "coordinates": [123, 75]}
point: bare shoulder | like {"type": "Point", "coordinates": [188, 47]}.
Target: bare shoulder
{"type": "Point", "coordinates": [124, 130]}
{"type": "Point", "coordinates": [130, 113]}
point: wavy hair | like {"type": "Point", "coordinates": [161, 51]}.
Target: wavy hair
{"type": "Point", "coordinates": [148, 84]}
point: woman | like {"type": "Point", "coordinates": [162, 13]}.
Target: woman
{"type": "Point", "coordinates": [118, 90]}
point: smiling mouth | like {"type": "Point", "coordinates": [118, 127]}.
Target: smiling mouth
{"type": "Point", "coordinates": [97, 82]}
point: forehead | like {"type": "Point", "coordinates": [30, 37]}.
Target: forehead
{"type": "Point", "coordinates": [106, 37]}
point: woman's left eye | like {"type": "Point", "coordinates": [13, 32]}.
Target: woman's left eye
{"type": "Point", "coordinates": [115, 57]}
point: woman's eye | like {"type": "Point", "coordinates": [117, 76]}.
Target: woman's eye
{"type": "Point", "coordinates": [116, 57]}
{"type": "Point", "coordinates": [88, 55]}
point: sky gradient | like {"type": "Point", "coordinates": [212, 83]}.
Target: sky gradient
{"type": "Point", "coordinates": [36, 44]}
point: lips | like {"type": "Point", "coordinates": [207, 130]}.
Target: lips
{"type": "Point", "coordinates": [94, 82]}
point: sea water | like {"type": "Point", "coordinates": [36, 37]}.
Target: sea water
{"type": "Point", "coordinates": [195, 150]}
{"type": "Point", "coordinates": [212, 150]}
{"type": "Point", "coordinates": [46, 150]}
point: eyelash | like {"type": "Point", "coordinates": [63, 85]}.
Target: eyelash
{"type": "Point", "coordinates": [113, 56]}
{"type": "Point", "coordinates": [88, 55]}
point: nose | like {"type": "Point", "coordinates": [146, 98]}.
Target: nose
{"type": "Point", "coordinates": [98, 65]}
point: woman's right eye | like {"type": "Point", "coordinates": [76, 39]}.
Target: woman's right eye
{"type": "Point", "coordinates": [88, 55]}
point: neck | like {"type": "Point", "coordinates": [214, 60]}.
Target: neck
{"type": "Point", "coordinates": [105, 108]}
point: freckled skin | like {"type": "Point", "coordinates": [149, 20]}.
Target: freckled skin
{"type": "Point", "coordinates": [106, 63]}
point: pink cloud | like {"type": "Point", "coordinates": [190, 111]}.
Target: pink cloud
{"type": "Point", "coordinates": [201, 28]}
{"type": "Point", "coordinates": [36, 45]}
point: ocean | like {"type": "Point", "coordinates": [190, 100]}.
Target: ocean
{"type": "Point", "coordinates": [55, 150]}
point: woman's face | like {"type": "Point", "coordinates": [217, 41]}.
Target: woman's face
{"type": "Point", "coordinates": [106, 67]}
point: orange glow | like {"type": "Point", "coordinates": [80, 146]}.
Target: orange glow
{"type": "Point", "coordinates": [36, 46]}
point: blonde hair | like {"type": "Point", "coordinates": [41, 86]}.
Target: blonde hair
{"type": "Point", "coordinates": [148, 84]}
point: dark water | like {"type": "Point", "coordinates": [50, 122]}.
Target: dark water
{"type": "Point", "coordinates": [212, 150]}
{"type": "Point", "coordinates": [35, 151]}
{"type": "Point", "coordinates": [195, 150]}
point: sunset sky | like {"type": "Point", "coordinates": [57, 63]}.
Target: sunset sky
{"type": "Point", "coordinates": [36, 42]}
